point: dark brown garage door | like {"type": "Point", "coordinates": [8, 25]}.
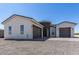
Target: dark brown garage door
{"type": "Point", "coordinates": [65, 32]}
{"type": "Point", "coordinates": [36, 32]}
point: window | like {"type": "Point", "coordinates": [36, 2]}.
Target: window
{"type": "Point", "coordinates": [10, 30]}
{"type": "Point", "coordinates": [22, 29]}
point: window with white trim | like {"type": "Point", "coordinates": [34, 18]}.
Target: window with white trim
{"type": "Point", "coordinates": [21, 29]}
{"type": "Point", "coordinates": [10, 29]}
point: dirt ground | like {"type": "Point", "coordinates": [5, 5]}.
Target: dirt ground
{"type": "Point", "coordinates": [51, 46]}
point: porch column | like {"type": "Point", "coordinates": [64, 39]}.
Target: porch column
{"type": "Point", "coordinates": [57, 32]}
{"type": "Point", "coordinates": [47, 33]}
{"type": "Point", "coordinates": [42, 32]}
{"type": "Point", "coordinates": [72, 32]}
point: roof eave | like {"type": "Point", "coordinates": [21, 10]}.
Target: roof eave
{"type": "Point", "coordinates": [66, 22]}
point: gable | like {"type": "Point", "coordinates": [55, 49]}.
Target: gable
{"type": "Point", "coordinates": [14, 18]}
{"type": "Point", "coordinates": [66, 24]}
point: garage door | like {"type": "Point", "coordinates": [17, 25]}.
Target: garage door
{"type": "Point", "coordinates": [36, 32]}
{"type": "Point", "coordinates": [65, 32]}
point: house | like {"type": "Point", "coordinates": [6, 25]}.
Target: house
{"type": "Point", "coordinates": [22, 27]}
{"type": "Point", "coordinates": [1, 33]}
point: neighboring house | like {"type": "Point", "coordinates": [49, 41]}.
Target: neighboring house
{"type": "Point", "coordinates": [1, 33]}
{"type": "Point", "coordinates": [22, 27]}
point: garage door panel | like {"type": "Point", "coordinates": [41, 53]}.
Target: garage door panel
{"type": "Point", "coordinates": [65, 32]}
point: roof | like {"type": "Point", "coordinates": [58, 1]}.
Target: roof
{"type": "Point", "coordinates": [67, 22]}
{"type": "Point", "coordinates": [32, 19]}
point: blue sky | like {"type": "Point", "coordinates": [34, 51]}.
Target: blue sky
{"type": "Point", "coordinates": [55, 13]}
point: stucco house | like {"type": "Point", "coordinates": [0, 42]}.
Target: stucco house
{"type": "Point", "coordinates": [22, 27]}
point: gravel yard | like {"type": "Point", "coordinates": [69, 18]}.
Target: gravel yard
{"type": "Point", "coordinates": [51, 46]}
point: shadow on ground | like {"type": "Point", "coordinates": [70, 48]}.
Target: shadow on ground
{"type": "Point", "coordinates": [38, 39]}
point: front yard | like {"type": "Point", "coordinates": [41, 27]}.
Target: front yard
{"type": "Point", "coordinates": [51, 46]}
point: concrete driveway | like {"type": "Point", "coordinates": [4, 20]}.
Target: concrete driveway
{"type": "Point", "coordinates": [52, 46]}
{"type": "Point", "coordinates": [65, 39]}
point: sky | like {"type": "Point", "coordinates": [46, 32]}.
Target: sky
{"type": "Point", "coordinates": [54, 12]}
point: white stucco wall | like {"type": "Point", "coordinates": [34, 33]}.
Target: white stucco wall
{"type": "Point", "coordinates": [63, 25]}
{"type": "Point", "coordinates": [15, 23]}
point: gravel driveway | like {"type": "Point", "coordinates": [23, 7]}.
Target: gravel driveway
{"type": "Point", "coordinates": [52, 46]}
